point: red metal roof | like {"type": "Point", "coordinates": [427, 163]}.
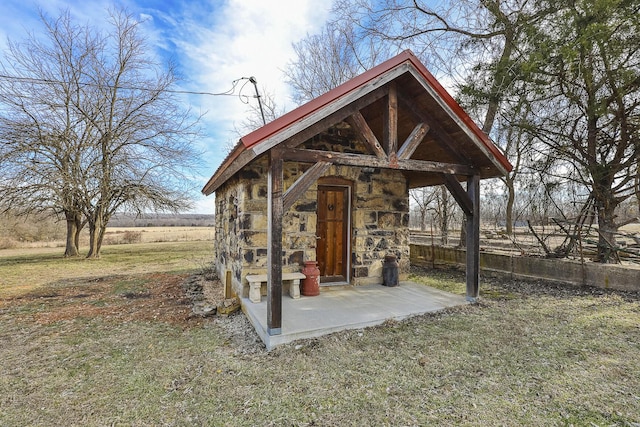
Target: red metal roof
{"type": "Point", "coordinates": [252, 139]}
{"type": "Point", "coordinates": [315, 104]}
{"type": "Point", "coordinates": [293, 116]}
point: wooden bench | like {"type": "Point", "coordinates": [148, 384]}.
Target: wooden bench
{"type": "Point", "coordinates": [256, 281]}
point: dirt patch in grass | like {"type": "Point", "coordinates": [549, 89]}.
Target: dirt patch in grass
{"type": "Point", "coordinates": [147, 297]}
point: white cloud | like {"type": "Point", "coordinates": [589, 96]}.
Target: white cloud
{"type": "Point", "coordinates": [240, 39]}
{"type": "Point", "coordinates": [243, 39]}
{"type": "Point", "coordinates": [214, 42]}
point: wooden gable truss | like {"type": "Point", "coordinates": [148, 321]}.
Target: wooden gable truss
{"type": "Point", "coordinates": [387, 154]}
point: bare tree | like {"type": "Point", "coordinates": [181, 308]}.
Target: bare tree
{"type": "Point", "coordinates": [434, 203]}
{"type": "Point", "coordinates": [41, 135]}
{"type": "Point", "coordinates": [422, 198]}
{"type": "Point", "coordinates": [326, 60]}
{"type": "Point", "coordinates": [476, 45]}
{"type": "Point", "coordinates": [260, 106]}
{"type": "Point", "coordinates": [90, 126]}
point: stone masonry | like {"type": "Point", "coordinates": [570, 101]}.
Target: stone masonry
{"type": "Point", "coordinates": [379, 217]}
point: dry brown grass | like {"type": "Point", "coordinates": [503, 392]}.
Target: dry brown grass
{"type": "Point", "coordinates": [26, 270]}
{"type": "Point", "coordinates": [120, 349]}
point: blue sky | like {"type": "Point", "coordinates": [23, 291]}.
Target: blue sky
{"type": "Point", "coordinates": [213, 42]}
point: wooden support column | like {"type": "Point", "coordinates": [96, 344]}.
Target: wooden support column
{"type": "Point", "coordinates": [473, 239]}
{"type": "Point", "coordinates": [274, 243]}
{"type": "Point", "coordinates": [390, 139]}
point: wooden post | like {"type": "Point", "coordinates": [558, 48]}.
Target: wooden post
{"type": "Point", "coordinates": [274, 243]}
{"type": "Point", "coordinates": [390, 138]}
{"type": "Point", "coordinates": [228, 291]}
{"type": "Point", "coordinates": [473, 239]}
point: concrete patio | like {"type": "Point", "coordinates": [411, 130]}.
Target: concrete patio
{"type": "Point", "coordinates": [347, 307]}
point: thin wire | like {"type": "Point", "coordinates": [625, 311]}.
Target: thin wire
{"type": "Point", "coordinates": [243, 98]}
{"type": "Point", "coordinates": [230, 92]}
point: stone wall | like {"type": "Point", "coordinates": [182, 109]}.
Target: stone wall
{"type": "Point", "coordinates": [226, 249]}
{"type": "Point", "coordinates": [379, 218]}
{"type": "Point", "coordinates": [380, 221]}
{"type": "Point", "coordinates": [241, 226]}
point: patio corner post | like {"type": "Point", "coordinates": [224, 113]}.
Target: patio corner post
{"type": "Point", "coordinates": [473, 240]}
{"type": "Point", "coordinates": [275, 209]}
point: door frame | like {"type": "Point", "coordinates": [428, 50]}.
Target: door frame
{"type": "Point", "coordinates": [348, 185]}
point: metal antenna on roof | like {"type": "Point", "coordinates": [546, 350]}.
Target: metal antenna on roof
{"type": "Point", "coordinates": [255, 85]}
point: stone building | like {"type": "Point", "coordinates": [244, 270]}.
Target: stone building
{"type": "Point", "coordinates": [330, 182]}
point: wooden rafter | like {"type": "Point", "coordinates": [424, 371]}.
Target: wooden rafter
{"type": "Point", "coordinates": [362, 160]}
{"type": "Point", "coordinates": [413, 140]}
{"type": "Point", "coordinates": [333, 113]}
{"type": "Point", "coordinates": [335, 117]}
{"type": "Point", "coordinates": [440, 135]}
{"type": "Point", "coordinates": [365, 134]}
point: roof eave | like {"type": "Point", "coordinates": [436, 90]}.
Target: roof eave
{"type": "Point", "coordinates": [215, 181]}
{"type": "Point", "coordinates": [455, 111]}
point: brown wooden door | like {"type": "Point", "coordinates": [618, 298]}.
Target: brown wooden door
{"type": "Point", "coordinates": [332, 233]}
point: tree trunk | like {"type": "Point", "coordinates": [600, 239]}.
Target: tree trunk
{"type": "Point", "coordinates": [74, 224]}
{"type": "Point", "coordinates": [444, 216]}
{"type": "Point", "coordinates": [637, 186]}
{"type": "Point", "coordinates": [511, 197]}
{"type": "Point", "coordinates": [606, 205]}
{"type": "Point", "coordinates": [79, 227]}
{"type": "Point", "coordinates": [97, 229]}
{"type": "Point", "coordinates": [463, 233]}
{"type": "Point", "coordinates": [95, 236]}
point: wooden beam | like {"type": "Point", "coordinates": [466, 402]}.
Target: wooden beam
{"type": "Point", "coordinates": [412, 142]}
{"type": "Point", "coordinates": [439, 134]}
{"type": "Point", "coordinates": [301, 185]}
{"type": "Point", "coordinates": [348, 159]}
{"type": "Point", "coordinates": [473, 240]}
{"type": "Point", "coordinates": [335, 117]}
{"type": "Point", "coordinates": [458, 193]}
{"type": "Point", "coordinates": [274, 243]}
{"type": "Point", "coordinates": [331, 113]}
{"type": "Point", "coordinates": [455, 112]}
{"type": "Point", "coordinates": [357, 121]}
{"type": "Point", "coordinates": [390, 124]}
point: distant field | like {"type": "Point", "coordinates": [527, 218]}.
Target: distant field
{"type": "Point", "coordinates": [631, 228]}
{"type": "Point", "coordinates": [117, 236]}
{"type": "Point", "coordinates": [114, 235]}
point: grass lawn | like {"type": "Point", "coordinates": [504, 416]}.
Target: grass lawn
{"type": "Point", "coordinates": [111, 342]}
